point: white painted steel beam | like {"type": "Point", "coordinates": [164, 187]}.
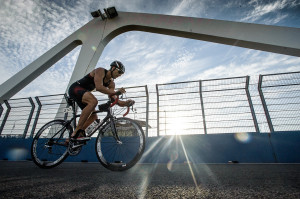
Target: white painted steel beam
{"type": "Point", "coordinates": [96, 34]}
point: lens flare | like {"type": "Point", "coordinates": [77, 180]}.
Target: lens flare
{"type": "Point", "coordinates": [17, 154]}
{"type": "Point", "coordinates": [242, 137]}
{"type": "Point", "coordinates": [144, 185]}
{"type": "Point", "coordinates": [153, 145]}
{"type": "Point", "coordinates": [173, 157]}
{"type": "Point", "coordinates": [147, 173]}
{"type": "Point", "coordinates": [189, 163]}
{"type": "Point", "coordinates": [94, 48]}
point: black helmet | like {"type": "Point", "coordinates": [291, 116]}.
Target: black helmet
{"type": "Point", "coordinates": [118, 65]}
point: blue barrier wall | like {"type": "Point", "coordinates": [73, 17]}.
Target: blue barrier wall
{"type": "Point", "coordinates": [281, 147]}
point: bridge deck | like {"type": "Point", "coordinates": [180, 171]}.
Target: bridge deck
{"type": "Point", "coordinates": [91, 180]}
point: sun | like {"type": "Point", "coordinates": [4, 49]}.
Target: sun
{"type": "Point", "coordinates": [175, 126]}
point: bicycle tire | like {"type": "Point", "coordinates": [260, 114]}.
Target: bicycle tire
{"type": "Point", "coordinates": [119, 157]}
{"type": "Point", "coordinates": [48, 151]}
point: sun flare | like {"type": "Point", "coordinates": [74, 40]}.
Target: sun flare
{"type": "Point", "coordinates": [175, 126]}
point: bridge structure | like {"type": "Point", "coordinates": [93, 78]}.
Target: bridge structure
{"type": "Point", "coordinates": [97, 33]}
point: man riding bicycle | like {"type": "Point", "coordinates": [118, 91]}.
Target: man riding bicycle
{"type": "Point", "coordinates": [101, 80]}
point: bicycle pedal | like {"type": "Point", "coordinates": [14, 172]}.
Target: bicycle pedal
{"type": "Point", "coordinates": [76, 146]}
{"type": "Point", "coordinates": [80, 142]}
{"type": "Point", "coordinates": [82, 139]}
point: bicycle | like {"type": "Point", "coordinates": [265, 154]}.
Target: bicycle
{"type": "Point", "coordinates": [120, 142]}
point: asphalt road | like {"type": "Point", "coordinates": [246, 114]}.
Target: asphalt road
{"type": "Point", "coordinates": [91, 180]}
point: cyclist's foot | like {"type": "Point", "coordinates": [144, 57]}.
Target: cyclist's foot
{"type": "Point", "coordinates": [66, 143]}
{"type": "Point", "coordinates": [80, 136]}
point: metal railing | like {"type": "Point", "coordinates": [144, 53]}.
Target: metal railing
{"type": "Point", "coordinates": [24, 117]}
{"type": "Point", "coordinates": [206, 106]}
{"type": "Point", "coordinates": [227, 105]}
{"type": "Point", "coordinates": [280, 94]}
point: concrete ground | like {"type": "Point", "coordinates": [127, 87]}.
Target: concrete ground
{"type": "Point", "coordinates": [91, 180]}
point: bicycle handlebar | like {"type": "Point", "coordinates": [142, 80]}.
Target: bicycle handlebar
{"type": "Point", "coordinates": [116, 101]}
{"type": "Point", "coordinates": [126, 111]}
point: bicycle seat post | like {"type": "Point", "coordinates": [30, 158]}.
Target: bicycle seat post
{"type": "Point", "coordinates": [71, 103]}
{"type": "Point", "coordinates": [73, 111]}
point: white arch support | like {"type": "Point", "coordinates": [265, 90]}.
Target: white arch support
{"type": "Point", "coordinates": [96, 34]}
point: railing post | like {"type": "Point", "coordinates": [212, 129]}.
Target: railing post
{"type": "Point", "coordinates": [6, 116]}
{"type": "Point", "coordinates": [66, 113]}
{"type": "Point", "coordinates": [29, 117]}
{"type": "Point", "coordinates": [1, 110]}
{"type": "Point", "coordinates": [263, 101]}
{"type": "Point", "coordinates": [202, 107]}
{"type": "Point", "coordinates": [37, 115]}
{"type": "Point", "coordinates": [147, 110]}
{"type": "Point", "coordinates": [157, 95]}
{"type": "Point", "coordinates": [251, 104]}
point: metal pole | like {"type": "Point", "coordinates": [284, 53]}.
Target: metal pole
{"type": "Point", "coordinates": [263, 101]}
{"type": "Point", "coordinates": [1, 110]}
{"type": "Point", "coordinates": [37, 115]}
{"type": "Point", "coordinates": [147, 110]}
{"type": "Point", "coordinates": [6, 116]}
{"type": "Point", "coordinates": [29, 117]}
{"type": "Point", "coordinates": [157, 94]}
{"type": "Point", "coordinates": [165, 122]}
{"type": "Point", "coordinates": [202, 107]}
{"type": "Point", "coordinates": [66, 113]}
{"type": "Point", "coordinates": [251, 104]}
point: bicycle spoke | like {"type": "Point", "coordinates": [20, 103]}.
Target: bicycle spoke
{"type": "Point", "coordinates": [108, 149]}
{"type": "Point", "coordinates": [121, 155]}
{"type": "Point", "coordinates": [48, 148]}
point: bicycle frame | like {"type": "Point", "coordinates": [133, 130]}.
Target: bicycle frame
{"type": "Point", "coordinates": [108, 117]}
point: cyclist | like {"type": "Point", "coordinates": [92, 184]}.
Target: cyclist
{"type": "Point", "coordinates": [101, 80]}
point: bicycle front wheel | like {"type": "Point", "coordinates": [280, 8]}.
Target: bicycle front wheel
{"type": "Point", "coordinates": [120, 155]}
{"type": "Point", "coordinates": [49, 147]}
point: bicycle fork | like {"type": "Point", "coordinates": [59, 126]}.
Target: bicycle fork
{"type": "Point", "coordinates": [114, 131]}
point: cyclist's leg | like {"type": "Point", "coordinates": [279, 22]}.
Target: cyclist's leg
{"type": "Point", "coordinates": [90, 120]}
{"type": "Point", "coordinates": [91, 102]}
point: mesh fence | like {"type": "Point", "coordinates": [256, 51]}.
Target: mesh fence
{"type": "Point", "coordinates": [18, 115]}
{"type": "Point", "coordinates": [282, 95]}
{"type": "Point", "coordinates": [228, 105]}
{"type": "Point", "coordinates": [49, 108]}
{"type": "Point", "coordinates": [179, 108]}
{"type": "Point", "coordinates": [208, 106]}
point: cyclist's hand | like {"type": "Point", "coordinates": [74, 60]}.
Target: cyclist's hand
{"type": "Point", "coordinates": [122, 90]}
{"type": "Point", "coordinates": [130, 103]}
{"type": "Point", "coordinates": [119, 92]}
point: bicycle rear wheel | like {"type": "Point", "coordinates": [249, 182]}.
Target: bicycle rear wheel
{"type": "Point", "coordinates": [49, 147]}
{"type": "Point", "coordinates": [120, 156]}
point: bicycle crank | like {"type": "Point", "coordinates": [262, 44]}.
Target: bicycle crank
{"type": "Point", "coordinates": [74, 149]}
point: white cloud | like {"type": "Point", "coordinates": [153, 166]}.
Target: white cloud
{"type": "Point", "coordinates": [252, 63]}
{"type": "Point", "coordinates": [32, 29]}
{"type": "Point", "coordinates": [35, 27]}
{"type": "Point", "coordinates": [261, 9]}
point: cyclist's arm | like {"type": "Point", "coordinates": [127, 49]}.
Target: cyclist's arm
{"type": "Point", "coordinates": [120, 102]}
{"type": "Point", "coordinates": [98, 79]}
{"type": "Point", "coordinates": [125, 103]}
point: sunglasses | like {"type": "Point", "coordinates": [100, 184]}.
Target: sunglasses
{"type": "Point", "coordinates": [120, 72]}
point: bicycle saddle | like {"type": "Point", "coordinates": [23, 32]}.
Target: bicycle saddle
{"type": "Point", "coordinates": [70, 101]}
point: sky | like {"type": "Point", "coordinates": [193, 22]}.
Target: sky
{"type": "Point", "coordinates": [29, 28]}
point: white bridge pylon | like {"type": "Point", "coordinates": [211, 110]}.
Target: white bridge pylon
{"type": "Point", "coordinates": [96, 34]}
